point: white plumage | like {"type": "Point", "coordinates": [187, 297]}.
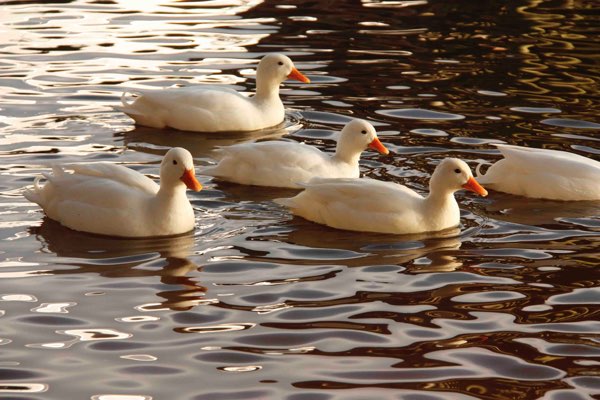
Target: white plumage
{"type": "Point", "coordinates": [374, 206]}
{"type": "Point", "coordinates": [286, 164]}
{"type": "Point", "coordinates": [113, 200]}
{"type": "Point", "coordinates": [543, 174]}
{"type": "Point", "coordinates": [207, 108]}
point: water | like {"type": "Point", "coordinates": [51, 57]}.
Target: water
{"type": "Point", "coordinates": [256, 304]}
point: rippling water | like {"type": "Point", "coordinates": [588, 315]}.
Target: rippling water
{"type": "Point", "coordinates": [256, 304]}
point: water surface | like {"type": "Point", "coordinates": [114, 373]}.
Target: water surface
{"type": "Point", "coordinates": [256, 304]}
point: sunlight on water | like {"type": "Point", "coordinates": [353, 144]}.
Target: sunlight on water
{"type": "Point", "coordinates": [504, 307]}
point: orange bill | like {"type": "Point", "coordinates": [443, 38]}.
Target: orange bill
{"type": "Point", "coordinates": [377, 145]}
{"type": "Point", "coordinates": [474, 186]}
{"type": "Point", "coordinates": [297, 75]}
{"type": "Point", "coordinates": [190, 180]}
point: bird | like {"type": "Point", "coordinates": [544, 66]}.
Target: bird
{"type": "Point", "coordinates": [369, 205]}
{"type": "Point", "coordinates": [206, 108]}
{"type": "Point", "coordinates": [110, 199]}
{"type": "Point", "coordinates": [543, 174]}
{"type": "Point", "coordinates": [287, 164]}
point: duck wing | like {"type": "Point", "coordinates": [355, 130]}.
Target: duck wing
{"type": "Point", "coordinates": [272, 163]}
{"type": "Point", "coordinates": [549, 161]}
{"type": "Point", "coordinates": [543, 173]}
{"type": "Point", "coordinates": [197, 108]}
{"type": "Point", "coordinates": [117, 174]}
{"type": "Point", "coordinates": [356, 204]}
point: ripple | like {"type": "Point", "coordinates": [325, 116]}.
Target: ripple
{"type": "Point", "coordinates": [18, 374]}
{"type": "Point", "coordinates": [85, 335]}
{"type": "Point", "coordinates": [485, 297]}
{"type": "Point", "coordinates": [138, 318]}
{"type": "Point", "coordinates": [215, 328]}
{"type": "Point", "coordinates": [139, 357]}
{"type": "Point", "coordinates": [558, 349]}
{"type": "Point", "coordinates": [21, 387]}
{"type": "Point", "coordinates": [229, 357]}
{"type": "Point", "coordinates": [429, 132]}
{"type": "Point", "coordinates": [151, 370]}
{"type": "Point", "coordinates": [245, 368]}
{"type": "Point", "coordinates": [419, 113]}
{"type": "Point", "coordinates": [59, 308]}
{"type": "Point", "coordinates": [536, 110]}
{"type": "Point", "coordinates": [18, 297]}
{"type": "Point", "coordinates": [51, 320]}
{"type": "Point", "coordinates": [577, 296]}
{"type": "Point", "coordinates": [570, 123]}
{"type": "Point", "coordinates": [327, 118]}
{"type": "Point", "coordinates": [491, 93]}
{"type": "Point", "coordinates": [120, 397]}
{"type": "Point", "coordinates": [501, 365]}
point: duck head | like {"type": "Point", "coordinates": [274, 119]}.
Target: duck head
{"type": "Point", "coordinates": [278, 67]}
{"type": "Point", "coordinates": [453, 174]}
{"type": "Point", "coordinates": [357, 136]}
{"type": "Point", "coordinates": [178, 166]}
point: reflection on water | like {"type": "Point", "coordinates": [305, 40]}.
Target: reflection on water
{"type": "Point", "coordinates": [165, 258]}
{"type": "Point", "coordinates": [504, 307]}
{"type": "Point", "coordinates": [200, 145]}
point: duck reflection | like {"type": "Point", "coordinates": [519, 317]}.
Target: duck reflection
{"type": "Point", "coordinates": [164, 257]}
{"type": "Point", "coordinates": [200, 145]}
{"type": "Point", "coordinates": [522, 210]}
{"type": "Point", "coordinates": [428, 252]}
{"type": "Point", "coordinates": [237, 193]}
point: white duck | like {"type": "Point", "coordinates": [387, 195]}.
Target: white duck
{"type": "Point", "coordinates": [205, 108]}
{"type": "Point", "coordinates": [113, 200]}
{"type": "Point", "coordinates": [369, 205]}
{"type": "Point", "coordinates": [286, 164]}
{"type": "Point", "coordinates": [543, 174]}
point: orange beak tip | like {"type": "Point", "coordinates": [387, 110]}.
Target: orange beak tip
{"type": "Point", "coordinates": [190, 180]}
{"type": "Point", "coordinates": [299, 76]}
{"type": "Point", "coordinates": [378, 146]}
{"type": "Point", "coordinates": [474, 186]}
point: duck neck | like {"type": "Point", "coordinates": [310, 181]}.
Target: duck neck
{"type": "Point", "coordinates": [440, 201]}
{"type": "Point", "coordinates": [346, 154]}
{"type": "Point", "coordinates": [170, 193]}
{"type": "Point", "coordinates": [266, 89]}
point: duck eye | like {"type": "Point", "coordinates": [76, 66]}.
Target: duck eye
{"type": "Point", "coordinates": [457, 171]}
{"type": "Point", "coordinates": [363, 132]}
{"type": "Point", "coordinates": [280, 63]}
{"type": "Point", "coordinates": [174, 162]}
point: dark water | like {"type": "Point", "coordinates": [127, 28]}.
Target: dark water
{"type": "Point", "coordinates": [256, 304]}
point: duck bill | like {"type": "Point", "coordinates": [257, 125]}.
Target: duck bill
{"type": "Point", "coordinates": [474, 186]}
{"type": "Point", "coordinates": [378, 146]}
{"type": "Point", "coordinates": [190, 180]}
{"type": "Point", "coordinates": [297, 75]}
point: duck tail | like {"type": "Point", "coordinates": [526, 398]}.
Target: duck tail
{"type": "Point", "coordinates": [286, 202]}
{"type": "Point", "coordinates": [482, 178]}
{"type": "Point", "coordinates": [128, 98]}
{"type": "Point", "coordinates": [478, 173]}
{"type": "Point", "coordinates": [35, 194]}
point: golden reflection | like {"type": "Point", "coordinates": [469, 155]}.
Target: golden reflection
{"type": "Point", "coordinates": [554, 52]}
{"type": "Point", "coordinates": [206, 7]}
{"type": "Point", "coordinates": [116, 258]}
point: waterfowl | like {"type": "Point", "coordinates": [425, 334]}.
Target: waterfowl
{"type": "Point", "coordinates": [286, 163]}
{"type": "Point", "coordinates": [369, 205]}
{"type": "Point", "coordinates": [543, 174]}
{"type": "Point", "coordinates": [205, 108]}
{"type": "Point", "coordinates": [113, 200]}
